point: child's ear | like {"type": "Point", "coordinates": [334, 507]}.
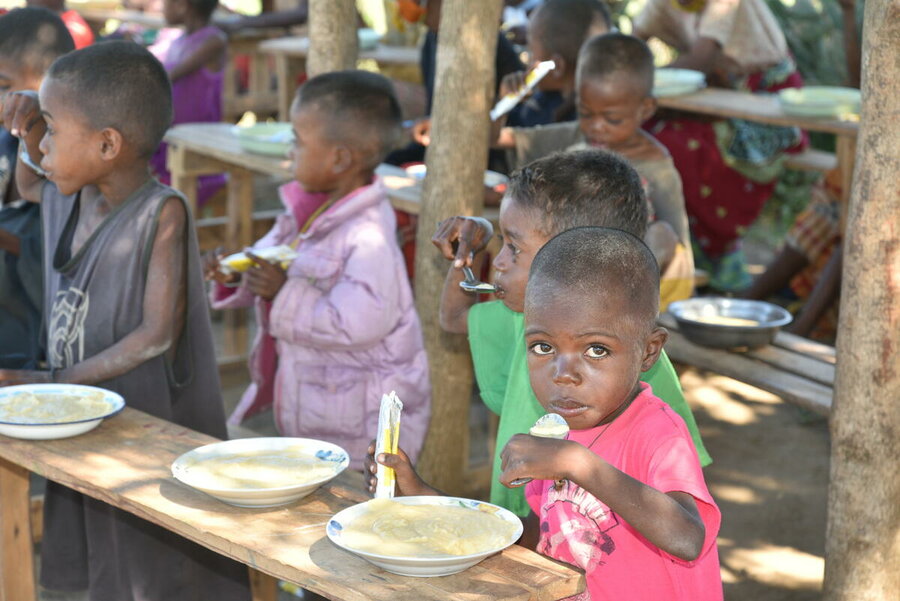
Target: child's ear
{"type": "Point", "coordinates": [111, 142]}
{"type": "Point", "coordinates": [647, 108]}
{"type": "Point", "coordinates": [654, 346]}
{"type": "Point", "coordinates": [561, 68]}
{"type": "Point", "coordinates": [343, 159]}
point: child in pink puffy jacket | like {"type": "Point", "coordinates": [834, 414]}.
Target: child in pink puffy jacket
{"type": "Point", "coordinates": [338, 327]}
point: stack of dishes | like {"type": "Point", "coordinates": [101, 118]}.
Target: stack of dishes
{"type": "Point", "coordinates": [668, 81]}
{"type": "Point", "coordinates": [50, 411]}
{"type": "Point", "coordinates": [270, 139]}
{"type": "Point", "coordinates": [492, 179]}
{"type": "Point", "coordinates": [820, 101]}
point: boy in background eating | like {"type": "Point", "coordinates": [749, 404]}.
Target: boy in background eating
{"type": "Point", "coordinates": [30, 40]}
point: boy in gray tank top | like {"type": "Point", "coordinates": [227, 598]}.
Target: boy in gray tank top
{"type": "Point", "coordinates": [125, 309]}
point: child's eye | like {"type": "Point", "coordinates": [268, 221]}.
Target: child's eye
{"type": "Point", "coordinates": [541, 348]}
{"type": "Point", "coordinates": [614, 121]}
{"type": "Point", "coordinates": [513, 249]}
{"type": "Point", "coordinates": [596, 351]}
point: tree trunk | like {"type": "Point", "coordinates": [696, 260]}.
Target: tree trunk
{"type": "Point", "coordinates": [333, 44]}
{"type": "Point", "coordinates": [456, 160]}
{"type": "Point", "coordinates": [862, 546]}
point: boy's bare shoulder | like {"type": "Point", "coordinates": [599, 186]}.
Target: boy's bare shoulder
{"type": "Point", "coordinates": [649, 149]}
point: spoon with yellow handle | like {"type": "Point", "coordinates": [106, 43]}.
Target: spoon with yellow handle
{"type": "Point", "coordinates": [551, 425]}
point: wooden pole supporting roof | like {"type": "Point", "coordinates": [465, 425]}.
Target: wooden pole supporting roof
{"type": "Point", "coordinates": [333, 44]}
{"type": "Point", "coordinates": [862, 546]}
{"type": "Point", "coordinates": [456, 159]}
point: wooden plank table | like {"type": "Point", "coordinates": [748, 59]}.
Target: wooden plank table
{"type": "Point", "coordinates": [97, 17]}
{"type": "Point", "coordinates": [290, 53]}
{"type": "Point", "coordinates": [798, 370]}
{"type": "Point", "coordinates": [765, 108]}
{"type": "Point", "coordinates": [126, 462]}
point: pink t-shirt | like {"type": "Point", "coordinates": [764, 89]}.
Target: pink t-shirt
{"type": "Point", "coordinates": [650, 443]}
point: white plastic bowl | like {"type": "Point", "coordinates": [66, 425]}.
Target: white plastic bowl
{"type": "Point", "coordinates": [668, 81]}
{"type": "Point", "coordinates": [425, 567]}
{"type": "Point", "coordinates": [270, 139]}
{"type": "Point", "coordinates": [820, 101]}
{"type": "Point", "coordinates": [54, 430]}
{"type": "Point", "coordinates": [272, 496]}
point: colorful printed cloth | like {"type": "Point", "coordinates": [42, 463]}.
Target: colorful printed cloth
{"type": "Point", "coordinates": [728, 169]}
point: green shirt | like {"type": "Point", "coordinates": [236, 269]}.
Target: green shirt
{"type": "Point", "coordinates": [496, 337]}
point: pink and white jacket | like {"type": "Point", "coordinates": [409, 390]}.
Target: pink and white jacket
{"type": "Point", "coordinates": [342, 331]}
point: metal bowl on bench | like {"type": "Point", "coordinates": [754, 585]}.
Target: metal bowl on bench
{"type": "Point", "coordinates": [729, 322]}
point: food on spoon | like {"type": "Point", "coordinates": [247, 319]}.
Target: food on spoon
{"type": "Point", "coordinates": [551, 425]}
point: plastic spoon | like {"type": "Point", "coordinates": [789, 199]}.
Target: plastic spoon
{"type": "Point", "coordinates": [546, 426]}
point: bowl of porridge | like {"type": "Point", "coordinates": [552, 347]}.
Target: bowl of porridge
{"type": "Point", "coordinates": [50, 411]}
{"type": "Point", "coordinates": [260, 472]}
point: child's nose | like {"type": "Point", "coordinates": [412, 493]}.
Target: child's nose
{"type": "Point", "coordinates": [42, 145]}
{"type": "Point", "coordinates": [499, 263]}
{"type": "Point", "coordinates": [566, 370]}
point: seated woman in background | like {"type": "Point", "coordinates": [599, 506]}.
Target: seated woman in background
{"type": "Point", "coordinates": [728, 167]}
{"type": "Point", "coordinates": [194, 61]}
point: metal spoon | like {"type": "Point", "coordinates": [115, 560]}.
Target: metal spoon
{"type": "Point", "coordinates": [472, 284]}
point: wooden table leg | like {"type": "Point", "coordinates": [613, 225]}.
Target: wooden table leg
{"type": "Point", "coordinates": [17, 555]}
{"type": "Point", "coordinates": [182, 178]}
{"type": "Point", "coordinates": [239, 234]}
{"type": "Point", "coordinates": [283, 84]}
{"type": "Point", "coordinates": [262, 586]}
{"type": "Point", "coordinates": [287, 69]}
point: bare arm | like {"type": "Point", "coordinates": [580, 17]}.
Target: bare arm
{"type": "Point", "coordinates": [703, 56]}
{"type": "Point", "coordinates": [669, 520]}
{"type": "Point", "coordinates": [163, 307]}
{"type": "Point", "coordinates": [458, 239]}
{"type": "Point", "coordinates": [285, 18]}
{"type": "Point", "coordinates": [210, 54]}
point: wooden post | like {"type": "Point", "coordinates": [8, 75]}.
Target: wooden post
{"type": "Point", "coordinates": [16, 550]}
{"type": "Point", "coordinates": [862, 549]}
{"type": "Point", "coordinates": [456, 160]}
{"type": "Point", "coordinates": [333, 44]}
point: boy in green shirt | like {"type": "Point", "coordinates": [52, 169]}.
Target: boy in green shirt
{"type": "Point", "coordinates": [546, 197]}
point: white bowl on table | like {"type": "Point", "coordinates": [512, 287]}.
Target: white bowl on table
{"type": "Point", "coordinates": [820, 101]}
{"type": "Point", "coordinates": [492, 179]}
{"type": "Point", "coordinates": [188, 469]}
{"type": "Point", "coordinates": [423, 566]}
{"type": "Point", "coordinates": [669, 81]}
{"type": "Point", "coordinates": [269, 139]}
{"type": "Point", "coordinates": [50, 429]}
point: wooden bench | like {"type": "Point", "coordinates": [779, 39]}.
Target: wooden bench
{"type": "Point", "coordinates": [798, 370]}
{"type": "Point", "coordinates": [811, 160]}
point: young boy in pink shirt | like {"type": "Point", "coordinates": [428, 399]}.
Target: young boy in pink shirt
{"type": "Point", "coordinates": [622, 496]}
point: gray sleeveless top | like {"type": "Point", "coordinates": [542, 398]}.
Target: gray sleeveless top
{"type": "Point", "coordinates": [95, 298]}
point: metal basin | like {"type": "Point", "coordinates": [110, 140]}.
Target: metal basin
{"type": "Point", "coordinates": [727, 322]}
